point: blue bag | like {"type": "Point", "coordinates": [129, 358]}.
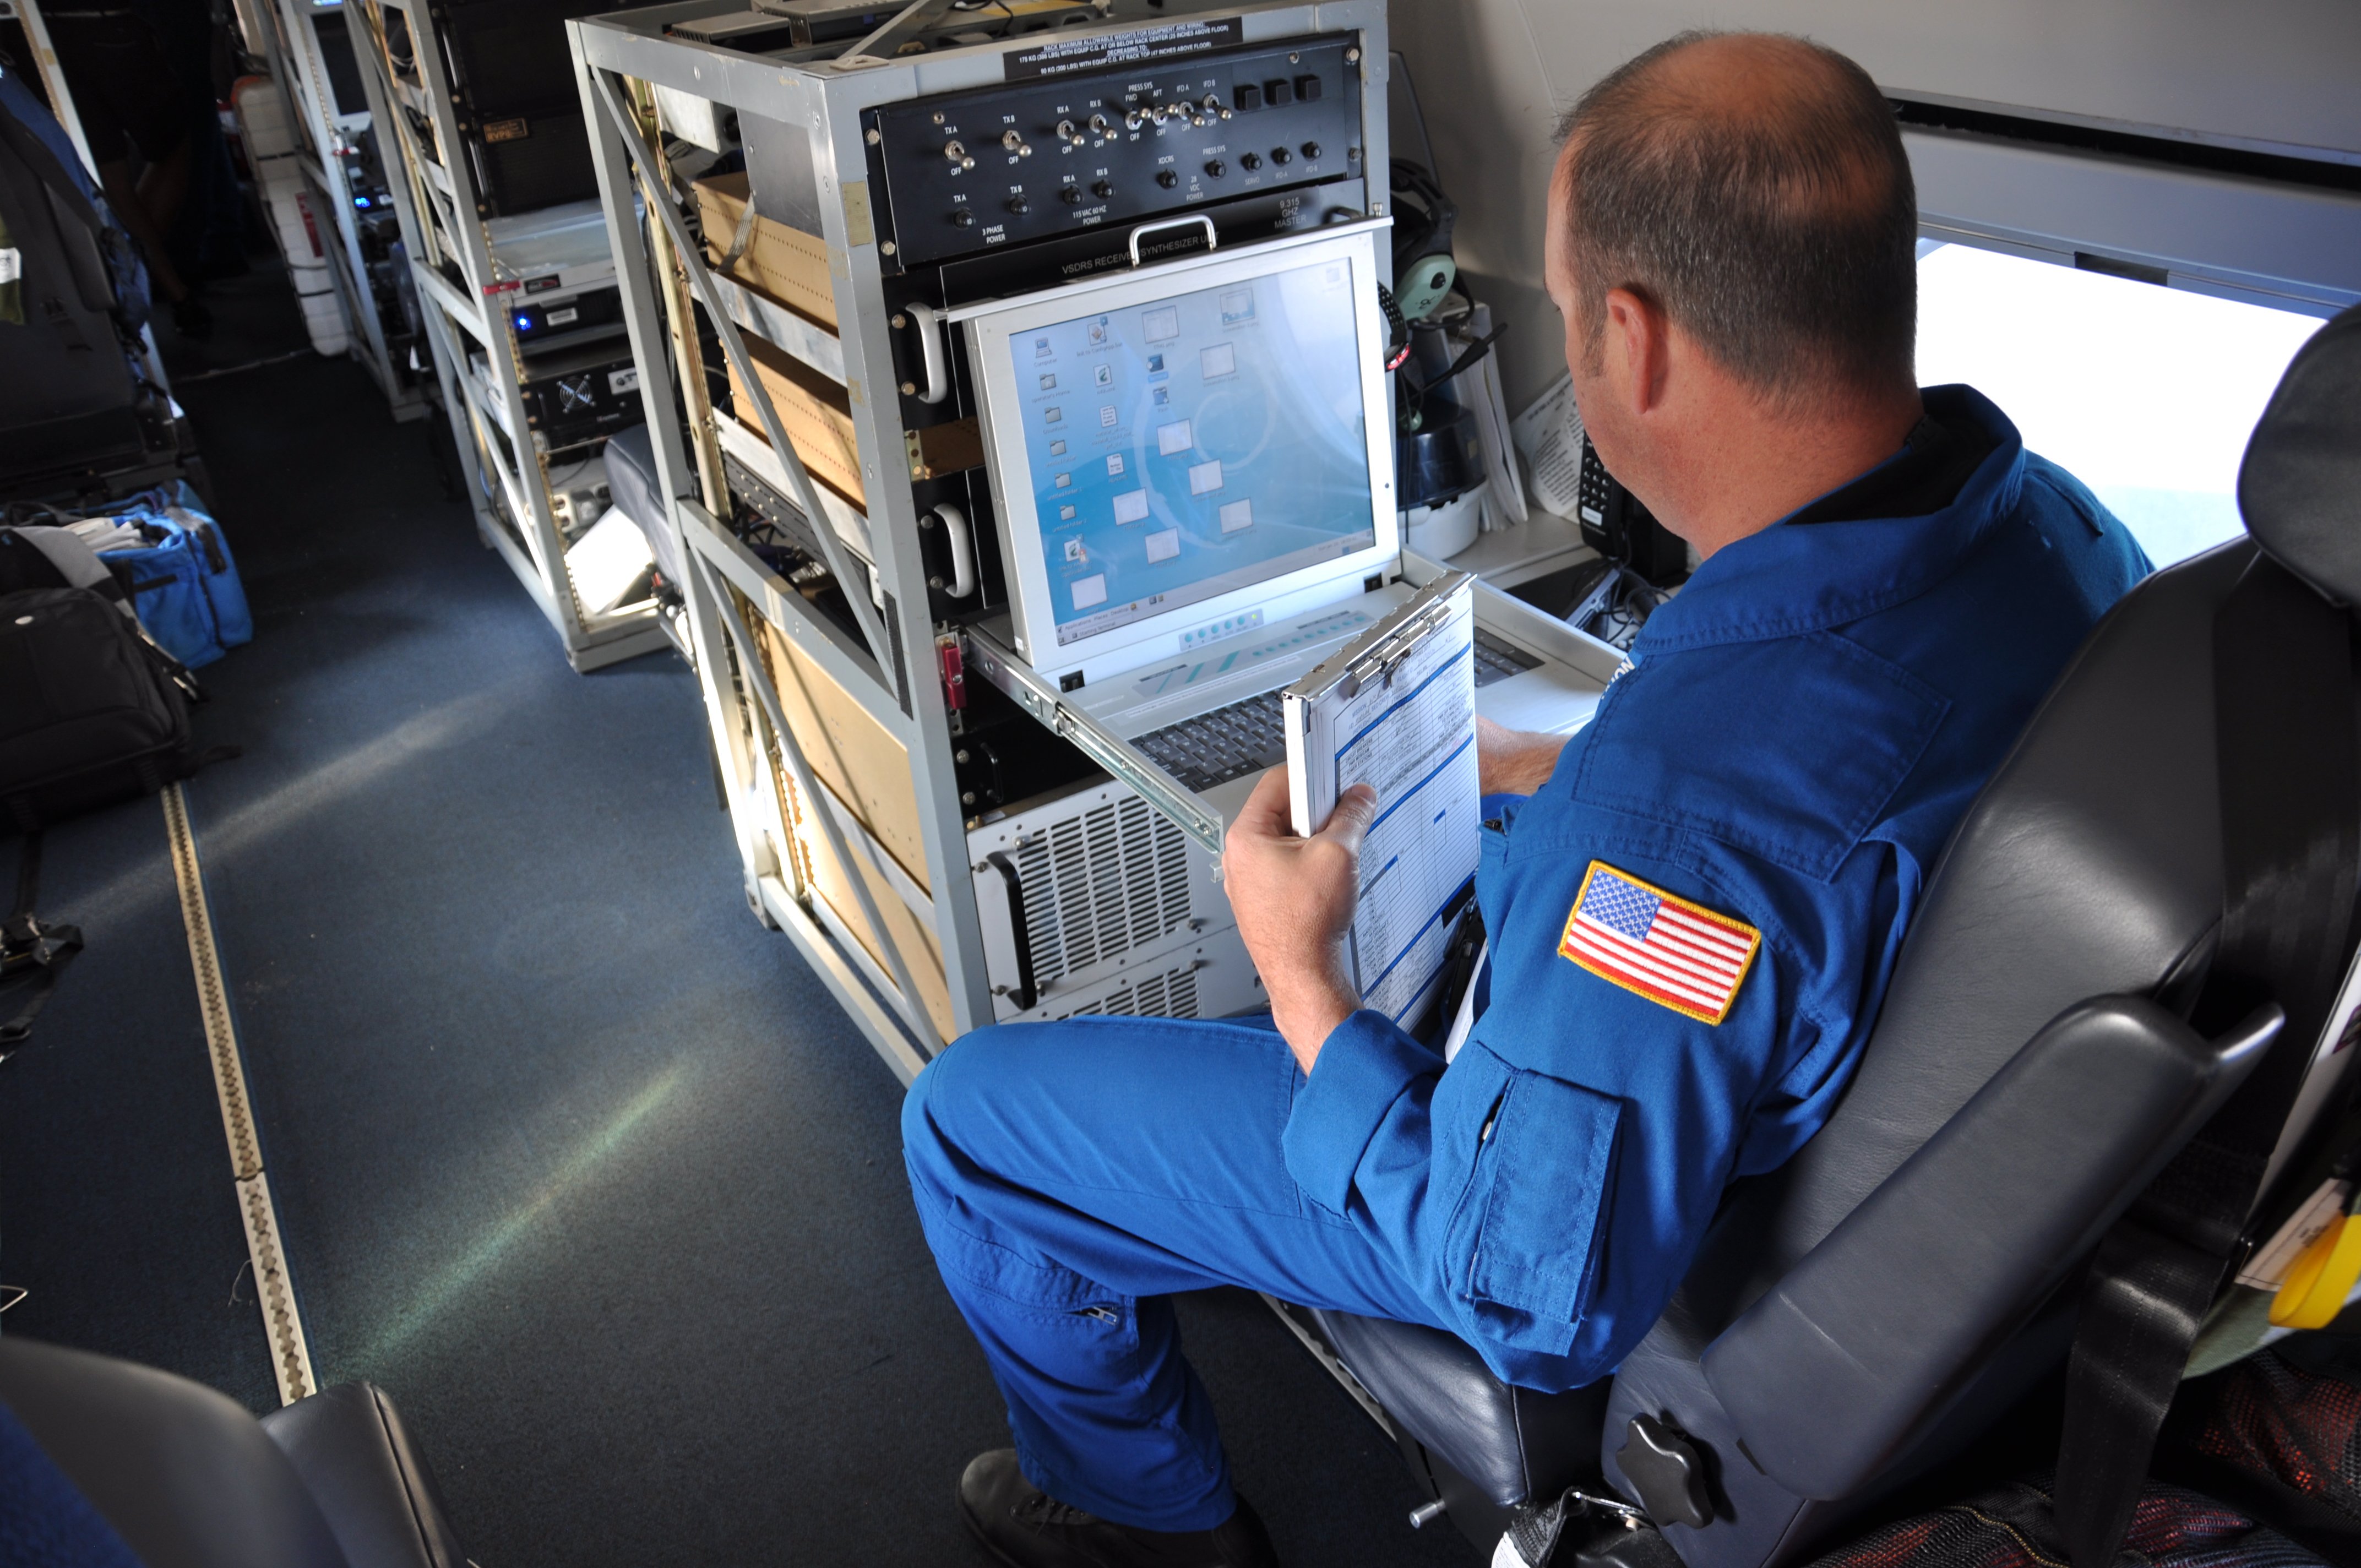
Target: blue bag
{"type": "Point", "coordinates": [184, 587]}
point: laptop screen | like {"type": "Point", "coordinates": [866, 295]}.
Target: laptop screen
{"type": "Point", "coordinates": [1196, 444]}
{"type": "Point", "coordinates": [1178, 450]}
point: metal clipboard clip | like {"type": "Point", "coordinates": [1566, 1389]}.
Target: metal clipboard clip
{"type": "Point", "coordinates": [1393, 641]}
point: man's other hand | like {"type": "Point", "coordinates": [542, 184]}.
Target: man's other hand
{"type": "Point", "coordinates": [1513, 761]}
{"type": "Point", "coordinates": [1294, 900]}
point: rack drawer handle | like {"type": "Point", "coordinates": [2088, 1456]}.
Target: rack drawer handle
{"type": "Point", "coordinates": [1212, 240]}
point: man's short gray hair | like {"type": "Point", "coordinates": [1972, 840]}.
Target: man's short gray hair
{"type": "Point", "coordinates": [1777, 229]}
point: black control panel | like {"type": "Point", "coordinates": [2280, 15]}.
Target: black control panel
{"type": "Point", "coordinates": [1040, 158]}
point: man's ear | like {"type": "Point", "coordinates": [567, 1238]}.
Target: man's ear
{"type": "Point", "coordinates": [1640, 337]}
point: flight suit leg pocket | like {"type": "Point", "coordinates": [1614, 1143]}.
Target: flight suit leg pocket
{"type": "Point", "coordinates": [1530, 1230]}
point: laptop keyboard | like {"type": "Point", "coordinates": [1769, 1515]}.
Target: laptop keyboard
{"type": "Point", "coordinates": [1227, 743]}
{"type": "Point", "coordinates": [1497, 660]}
{"type": "Point", "coordinates": [1251, 735]}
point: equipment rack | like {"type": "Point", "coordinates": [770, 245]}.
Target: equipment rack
{"type": "Point", "coordinates": [332, 140]}
{"type": "Point", "coordinates": [443, 227]}
{"type": "Point", "coordinates": [893, 654]}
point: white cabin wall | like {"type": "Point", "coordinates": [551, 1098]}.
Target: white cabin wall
{"type": "Point", "coordinates": [1494, 75]}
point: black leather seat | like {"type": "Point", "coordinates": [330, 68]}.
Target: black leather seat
{"type": "Point", "coordinates": [190, 1480]}
{"type": "Point", "coordinates": [1856, 1316]}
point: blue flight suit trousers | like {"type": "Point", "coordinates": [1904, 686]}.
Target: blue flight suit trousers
{"type": "Point", "coordinates": [1062, 1221]}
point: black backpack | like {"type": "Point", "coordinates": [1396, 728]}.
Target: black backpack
{"type": "Point", "coordinates": [91, 713]}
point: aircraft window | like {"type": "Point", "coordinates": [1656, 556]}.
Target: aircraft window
{"type": "Point", "coordinates": [2147, 394]}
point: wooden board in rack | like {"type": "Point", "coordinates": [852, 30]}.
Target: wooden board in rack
{"type": "Point", "coordinates": [848, 751]}
{"type": "Point", "coordinates": [818, 419]}
{"type": "Point", "coordinates": [780, 261]}
{"type": "Point", "coordinates": [827, 884]}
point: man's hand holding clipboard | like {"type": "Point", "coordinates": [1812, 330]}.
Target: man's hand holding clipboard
{"type": "Point", "coordinates": [1294, 899]}
{"type": "Point", "coordinates": [1381, 760]}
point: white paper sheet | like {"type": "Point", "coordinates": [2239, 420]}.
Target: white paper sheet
{"type": "Point", "coordinates": [1410, 734]}
{"type": "Point", "coordinates": [1504, 492]}
{"type": "Point", "coordinates": [1550, 435]}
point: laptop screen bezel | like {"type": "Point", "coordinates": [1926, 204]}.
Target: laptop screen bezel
{"type": "Point", "coordinates": [992, 328]}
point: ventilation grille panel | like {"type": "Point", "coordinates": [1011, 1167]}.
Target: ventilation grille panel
{"type": "Point", "coordinates": [1172, 994]}
{"type": "Point", "coordinates": [1100, 883]}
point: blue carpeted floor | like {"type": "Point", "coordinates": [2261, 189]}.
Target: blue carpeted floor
{"type": "Point", "coordinates": [574, 1159]}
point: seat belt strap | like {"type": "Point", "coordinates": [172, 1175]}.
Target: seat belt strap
{"type": "Point", "coordinates": [2289, 765]}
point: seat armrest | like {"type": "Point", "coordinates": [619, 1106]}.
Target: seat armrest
{"type": "Point", "coordinates": [1864, 1344]}
{"type": "Point", "coordinates": [358, 1460]}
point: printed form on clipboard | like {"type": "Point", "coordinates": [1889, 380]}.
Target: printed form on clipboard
{"type": "Point", "coordinates": [1396, 710]}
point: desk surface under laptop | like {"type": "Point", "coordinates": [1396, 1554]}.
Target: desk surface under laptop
{"type": "Point", "coordinates": [1207, 717]}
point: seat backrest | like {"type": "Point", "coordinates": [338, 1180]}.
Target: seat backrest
{"type": "Point", "coordinates": [187, 1477]}
{"type": "Point", "coordinates": [2090, 865]}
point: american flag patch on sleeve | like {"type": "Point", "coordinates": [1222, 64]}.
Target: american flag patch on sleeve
{"type": "Point", "coordinates": [1656, 945]}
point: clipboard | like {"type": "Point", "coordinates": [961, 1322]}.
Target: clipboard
{"type": "Point", "coordinates": [1395, 709]}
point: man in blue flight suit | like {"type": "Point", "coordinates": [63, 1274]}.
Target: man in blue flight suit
{"type": "Point", "coordinates": [1694, 906]}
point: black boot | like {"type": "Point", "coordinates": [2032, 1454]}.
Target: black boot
{"type": "Point", "coordinates": [1025, 1527]}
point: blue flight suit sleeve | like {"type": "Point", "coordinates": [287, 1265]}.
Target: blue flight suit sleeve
{"type": "Point", "coordinates": [1551, 1186]}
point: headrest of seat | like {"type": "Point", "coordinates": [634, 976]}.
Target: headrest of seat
{"type": "Point", "coordinates": [2300, 486]}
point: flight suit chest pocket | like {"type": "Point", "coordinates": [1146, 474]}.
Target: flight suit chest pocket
{"type": "Point", "coordinates": [1527, 1235]}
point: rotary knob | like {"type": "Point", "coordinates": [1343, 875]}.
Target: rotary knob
{"type": "Point", "coordinates": [1167, 178]}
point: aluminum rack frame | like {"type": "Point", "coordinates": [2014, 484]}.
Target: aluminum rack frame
{"type": "Point", "coordinates": [299, 70]}
{"type": "Point", "coordinates": [439, 209]}
{"type": "Point", "coordinates": [624, 60]}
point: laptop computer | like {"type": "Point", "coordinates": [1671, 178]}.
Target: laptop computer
{"type": "Point", "coordinates": [1192, 465]}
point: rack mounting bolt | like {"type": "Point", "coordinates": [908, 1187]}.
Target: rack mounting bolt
{"type": "Point", "coordinates": [872, 137]}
